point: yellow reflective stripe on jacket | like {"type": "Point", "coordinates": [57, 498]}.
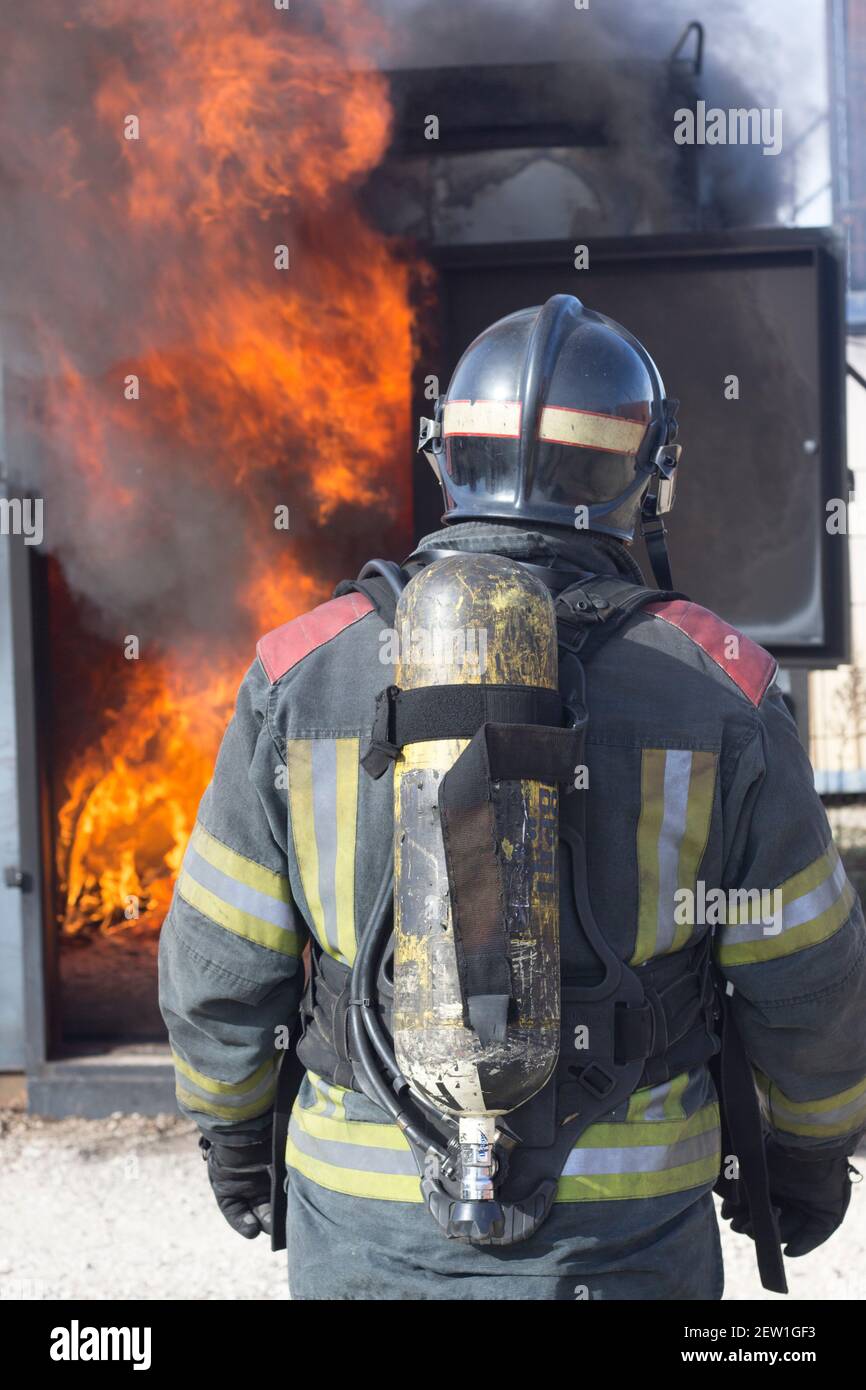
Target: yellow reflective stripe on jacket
{"type": "Point", "coordinates": [662, 1102]}
{"type": "Point", "coordinates": [832, 1117]}
{"type": "Point", "coordinates": [815, 903]}
{"type": "Point", "coordinates": [616, 1162]}
{"type": "Point", "coordinates": [677, 790]}
{"type": "Point", "coordinates": [355, 1157]}
{"type": "Point", "coordinates": [631, 1159]}
{"type": "Point", "coordinates": [238, 867]}
{"type": "Point", "coordinates": [323, 804]}
{"type": "Point", "coordinates": [238, 894]}
{"type": "Point", "coordinates": [329, 1098]}
{"type": "Point", "coordinates": [227, 1100]}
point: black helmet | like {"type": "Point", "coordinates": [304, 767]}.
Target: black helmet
{"type": "Point", "coordinates": [556, 414]}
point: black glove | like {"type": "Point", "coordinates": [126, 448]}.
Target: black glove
{"type": "Point", "coordinates": [241, 1180]}
{"type": "Point", "coordinates": [810, 1191]}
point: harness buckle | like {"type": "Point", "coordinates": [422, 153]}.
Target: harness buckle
{"type": "Point", "coordinates": [571, 636]}
{"type": "Point", "coordinates": [381, 751]}
{"type": "Point", "coordinates": [598, 1082]}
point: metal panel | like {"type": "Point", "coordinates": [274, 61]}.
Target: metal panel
{"type": "Point", "coordinates": [748, 536]}
{"type": "Point", "coordinates": [35, 958]}
{"type": "Point", "coordinates": [11, 927]}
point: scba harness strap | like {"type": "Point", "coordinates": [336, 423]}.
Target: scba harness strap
{"type": "Point", "coordinates": [644, 1025]}
{"type": "Point", "coordinates": [667, 1032]}
{"type": "Point", "coordinates": [621, 1031]}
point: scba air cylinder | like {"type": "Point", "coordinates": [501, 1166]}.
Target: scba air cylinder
{"type": "Point", "coordinates": [483, 620]}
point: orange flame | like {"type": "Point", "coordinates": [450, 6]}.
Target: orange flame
{"type": "Point", "coordinates": [132, 798]}
{"type": "Point", "coordinates": [229, 132]}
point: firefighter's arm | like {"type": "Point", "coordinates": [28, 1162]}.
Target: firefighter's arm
{"type": "Point", "coordinates": [798, 976]}
{"type": "Point", "coordinates": [231, 972]}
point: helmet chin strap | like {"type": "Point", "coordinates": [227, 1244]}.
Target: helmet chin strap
{"type": "Point", "coordinates": [654, 536]}
{"type": "Point", "coordinates": [658, 500]}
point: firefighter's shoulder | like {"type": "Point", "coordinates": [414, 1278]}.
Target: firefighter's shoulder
{"type": "Point", "coordinates": [747, 665]}
{"type": "Point", "coordinates": [281, 650]}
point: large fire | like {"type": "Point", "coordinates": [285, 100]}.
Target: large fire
{"type": "Point", "coordinates": [132, 796]}
{"type": "Point", "coordinates": [219, 387]}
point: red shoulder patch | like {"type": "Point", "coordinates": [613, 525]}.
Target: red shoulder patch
{"type": "Point", "coordinates": [751, 670]}
{"type": "Point", "coordinates": [283, 648]}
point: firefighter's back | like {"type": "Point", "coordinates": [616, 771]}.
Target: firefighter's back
{"type": "Point", "coordinates": [666, 720]}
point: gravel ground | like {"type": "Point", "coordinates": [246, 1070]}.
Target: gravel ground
{"type": "Point", "coordinates": [121, 1208]}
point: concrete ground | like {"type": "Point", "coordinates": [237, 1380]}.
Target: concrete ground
{"type": "Point", "coordinates": [121, 1208]}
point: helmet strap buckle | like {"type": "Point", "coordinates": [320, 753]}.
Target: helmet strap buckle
{"type": "Point", "coordinates": [430, 437]}
{"type": "Point", "coordinates": [664, 465]}
{"type": "Point", "coordinates": [429, 430]}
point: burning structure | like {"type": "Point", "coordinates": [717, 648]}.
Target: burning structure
{"type": "Point", "coordinates": [209, 384]}
{"type": "Point", "coordinates": [215, 237]}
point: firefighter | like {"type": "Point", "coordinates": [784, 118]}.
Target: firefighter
{"type": "Point", "coordinates": [695, 802]}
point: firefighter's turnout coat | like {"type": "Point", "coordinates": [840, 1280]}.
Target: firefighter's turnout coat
{"type": "Point", "coordinates": [697, 782]}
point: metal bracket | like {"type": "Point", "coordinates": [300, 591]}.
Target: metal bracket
{"type": "Point", "coordinates": [429, 431]}
{"type": "Point", "coordinates": [13, 877]}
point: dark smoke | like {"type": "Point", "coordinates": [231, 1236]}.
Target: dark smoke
{"type": "Point", "coordinates": [623, 48]}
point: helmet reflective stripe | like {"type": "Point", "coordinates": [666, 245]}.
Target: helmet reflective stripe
{"type": "Point", "coordinates": [588, 430]}
{"type": "Point", "coordinates": [585, 429]}
{"type": "Point", "coordinates": [498, 419]}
